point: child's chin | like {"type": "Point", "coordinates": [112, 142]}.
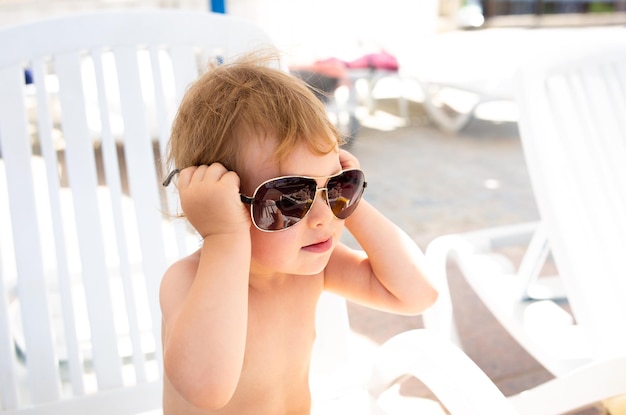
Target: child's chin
{"type": "Point", "coordinates": [314, 269]}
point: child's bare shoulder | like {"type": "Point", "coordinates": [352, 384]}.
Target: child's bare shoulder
{"type": "Point", "coordinates": [184, 266]}
{"type": "Point", "coordinates": [179, 276]}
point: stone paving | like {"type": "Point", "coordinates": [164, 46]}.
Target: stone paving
{"type": "Point", "coordinates": [431, 183]}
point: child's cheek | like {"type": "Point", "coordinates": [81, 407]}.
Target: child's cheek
{"type": "Point", "coordinates": [270, 248]}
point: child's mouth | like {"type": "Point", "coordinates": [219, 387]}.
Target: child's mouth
{"type": "Point", "coordinates": [320, 246]}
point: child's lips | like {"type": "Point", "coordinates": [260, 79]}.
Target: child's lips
{"type": "Point", "coordinates": [320, 247]}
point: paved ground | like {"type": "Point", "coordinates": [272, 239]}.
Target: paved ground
{"type": "Point", "coordinates": [431, 183]}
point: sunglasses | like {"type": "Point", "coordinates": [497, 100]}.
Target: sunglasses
{"type": "Point", "coordinates": [280, 203]}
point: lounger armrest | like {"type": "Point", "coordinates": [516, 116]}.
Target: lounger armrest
{"type": "Point", "coordinates": [463, 245]}
{"type": "Point", "coordinates": [609, 380]}
{"type": "Point", "coordinates": [459, 384]}
{"type": "Point", "coordinates": [482, 240]}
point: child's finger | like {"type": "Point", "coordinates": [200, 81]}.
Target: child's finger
{"type": "Point", "coordinates": [231, 178]}
{"type": "Point", "coordinates": [347, 160]}
{"type": "Point", "coordinates": [215, 172]}
{"type": "Point", "coordinates": [185, 175]}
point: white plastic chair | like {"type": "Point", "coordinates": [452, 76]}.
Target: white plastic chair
{"type": "Point", "coordinates": [87, 231]}
{"type": "Point", "coordinates": [573, 129]}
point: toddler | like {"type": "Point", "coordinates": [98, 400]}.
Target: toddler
{"type": "Point", "coordinates": [263, 181]}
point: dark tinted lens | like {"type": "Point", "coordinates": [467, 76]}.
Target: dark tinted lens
{"type": "Point", "coordinates": [281, 203]}
{"type": "Point", "coordinates": [345, 191]}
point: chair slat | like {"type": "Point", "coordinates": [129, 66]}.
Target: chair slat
{"type": "Point", "coordinates": [168, 95]}
{"type": "Point", "coordinates": [84, 184]}
{"type": "Point", "coordinates": [46, 140]}
{"type": "Point", "coordinates": [566, 107]}
{"type": "Point", "coordinates": [608, 156]}
{"type": "Point", "coordinates": [595, 89]}
{"type": "Point", "coordinates": [8, 365]}
{"type": "Point", "coordinates": [31, 285]}
{"type": "Point", "coordinates": [111, 164]}
{"type": "Point", "coordinates": [581, 102]}
{"type": "Point", "coordinates": [616, 127]}
{"type": "Point", "coordinates": [140, 158]}
{"type": "Point", "coordinates": [185, 72]}
{"type": "Point", "coordinates": [162, 80]}
{"type": "Point", "coordinates": [8, 378]}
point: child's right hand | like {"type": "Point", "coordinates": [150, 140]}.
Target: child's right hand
{"type": "Point", "coordinates": [209, 197]}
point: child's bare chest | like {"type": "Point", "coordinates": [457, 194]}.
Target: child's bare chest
{"type": "Point", "coordinates": [281, 325]}
{"type": "Point", "coordinates": [281, 333]}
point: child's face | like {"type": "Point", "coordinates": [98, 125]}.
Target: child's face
{"type": "Point", "coordinates": [305, 247]}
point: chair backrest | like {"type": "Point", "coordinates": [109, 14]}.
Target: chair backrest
{"type": "Point", "coordinates": [86, 230]}
{"type": "Point", "coordinates": [572, 122]}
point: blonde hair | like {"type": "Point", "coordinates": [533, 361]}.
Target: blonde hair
{"type": "Point", "coordinates": [232, 100]}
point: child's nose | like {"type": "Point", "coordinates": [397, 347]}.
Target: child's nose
{"type": "Point", "coordinates": [320, 212]}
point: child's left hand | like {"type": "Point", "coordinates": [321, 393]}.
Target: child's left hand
{"type": "Point", "coordinates": [347, 160]}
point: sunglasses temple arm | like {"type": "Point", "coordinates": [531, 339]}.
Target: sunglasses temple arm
{"type": "Point", "coordinates": [170, 176]}
{"type": "Point", "coordinates": [247, 200]}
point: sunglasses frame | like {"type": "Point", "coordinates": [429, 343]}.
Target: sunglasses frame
{"type": "Point", "coordinates": [249, 200]}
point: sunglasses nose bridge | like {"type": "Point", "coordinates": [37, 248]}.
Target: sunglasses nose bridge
{"type": "Point", "coordinates": [326, 202]}
{"type": "Point", "coordinates": [324, 191]}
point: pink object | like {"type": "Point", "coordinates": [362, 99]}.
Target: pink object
{"type": "Point", "coordinates": [380, 60]}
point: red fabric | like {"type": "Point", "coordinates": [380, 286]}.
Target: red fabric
{"type": "Point", "coordinates": [380, 60]}
{"type": "Point", "coordinates": [332, 67]}
{"type": "Point", "coordinates": [337, 68]}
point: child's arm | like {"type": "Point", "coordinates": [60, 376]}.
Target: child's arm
{"type": "Point", "coordinates": [204, 297]}
{"type": "Point", "coordinates": [389, 274]}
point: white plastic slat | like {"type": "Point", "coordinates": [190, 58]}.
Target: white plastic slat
{"type": "Point", "coordinates": [619, 79]}
{"type": "Point", "coordinates": [617, 89]}
{"type": "Point", "coordinates": [601, 110]}
{"type": "Point", "coordinates": [604, 172]}
{"type": "Point", "coordinates": [44, 122]}
{"type": "Point", "coordinates": [167, 99]}
{"type": "Point", "coordinates": [113, 181]}
{"type": "Point", "coordinates": [614, 125]}
{"type": "Point", "coordinates": [31, 285]}
{"type": "Point", "coordinates": [586, 160]}
{"type": "Point", "coordinates": [533, 261]}
{"type": "Point", "coordinates": [552, 186]}
{"type": "Point", "coordinates": [137, 400]}
{"type": "Point", "coordinates": [586, 188]}
{"type": "Point", "coordinates": [616, 85]}
{"type": "Point", "coordinates": [566, 203]}
{"type": "Point", "coordinates": [8, 379]}
{"type": "Point", "coordinates": [83, 181]}
{"type": "Point", "coordinates": [162, 79]}
{"type": "Point", "coordinates": [8, 384]}
{"type": "Point", "coordinates": [185, 72]}
{"type": "Point", "coordinates": [599, 185]}
{"type": "Point", "coordinates": [608, 165]}
{"type": "Point", "coordinates": [143, 180]}
{"type": "Point", "coordinates": [136, 27]}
